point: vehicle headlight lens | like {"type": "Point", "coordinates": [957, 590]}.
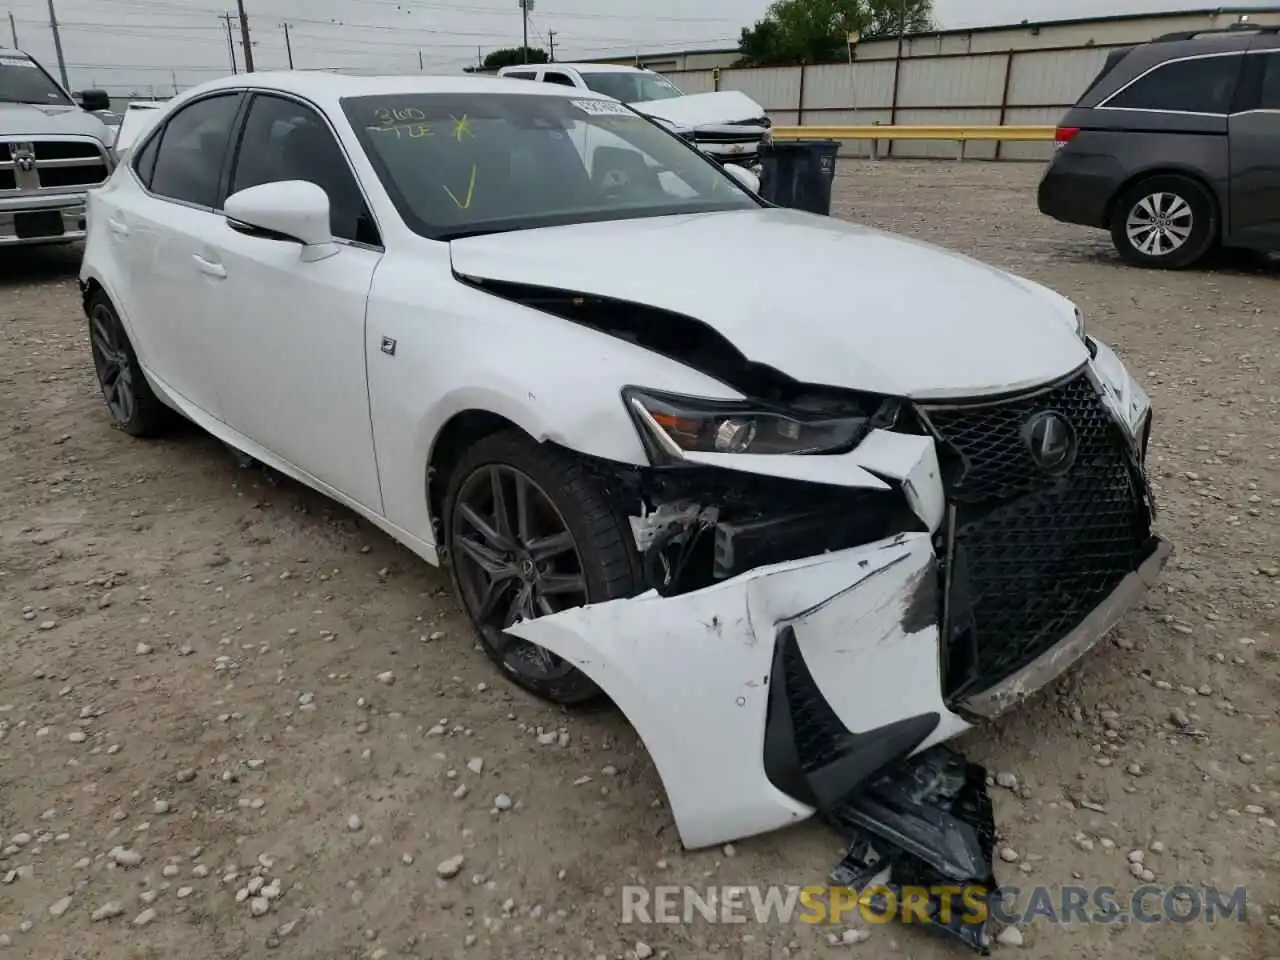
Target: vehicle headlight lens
{"type": "Point", "coordinates": [673, 426]}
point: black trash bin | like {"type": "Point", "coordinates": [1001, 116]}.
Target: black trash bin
{"type": "Point", "coordinates": [799, 173]}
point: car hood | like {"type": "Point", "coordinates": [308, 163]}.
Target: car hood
{"type": "Point", "coordinates": [727, 106]}
{"type": "Point", "coordinates": [34, 119]}
{"type": "Point", "coordinates": [823, 300]}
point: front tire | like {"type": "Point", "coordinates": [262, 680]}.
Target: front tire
{"type": "Point", "coordinates": [133, 406]}
{"type": "Point", "coordinates": [1166, 222]}
{"type": "Point", "coordinates": [531, 532]}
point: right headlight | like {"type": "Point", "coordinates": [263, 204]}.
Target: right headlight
{"type": "Point", "coordinates": [672, 426]}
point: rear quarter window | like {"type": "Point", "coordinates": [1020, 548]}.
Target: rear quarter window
{"type": "Point", "coordinates": [1194, 85]}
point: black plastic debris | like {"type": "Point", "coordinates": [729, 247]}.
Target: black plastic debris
{"type": "Point", "coordinates": [925, 830]}
{"type": "Point", "coordinates": [799, 173]}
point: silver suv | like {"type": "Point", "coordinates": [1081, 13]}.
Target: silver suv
{"type": "Point", "coordinates": [52, 149]}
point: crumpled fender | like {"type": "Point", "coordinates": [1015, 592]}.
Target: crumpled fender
{"type": "Point", "coordinates": [692, 672]}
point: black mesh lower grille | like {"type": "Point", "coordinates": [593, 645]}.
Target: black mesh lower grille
{"type": "Point", "coordinates": [818, 731]}
{"type": "Point", "coordinates": [1031, 553]}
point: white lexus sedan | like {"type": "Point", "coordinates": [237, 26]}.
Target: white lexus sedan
{"type": "Point", "coordinates": [801, 497]}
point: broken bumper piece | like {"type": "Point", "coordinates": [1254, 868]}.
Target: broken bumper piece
{"type": "Point", "coordinates": [920, 840]}
{"type": "Point", "coordinates": [780, 692]}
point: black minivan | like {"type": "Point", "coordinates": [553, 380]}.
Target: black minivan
{"type": "Point", "coordinates": [1175, 148]}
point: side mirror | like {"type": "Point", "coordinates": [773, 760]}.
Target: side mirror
{"type": "Point", "coordinates": [294, 210]}
{"type": "Point", "coordinates": [744, 177]}
{"type": "Point", "coordinates": [94, 100]}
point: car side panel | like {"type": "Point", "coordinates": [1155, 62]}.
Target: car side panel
{"type": "Point", "coordinates": [458, 349]}
{"type": "Point", "coordinates": [1087, 174]}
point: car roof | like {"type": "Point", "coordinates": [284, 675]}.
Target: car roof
{"type": "Point", "coordinates": [579, 67]}
{"type": "Point", "coordinates": [321, 86]}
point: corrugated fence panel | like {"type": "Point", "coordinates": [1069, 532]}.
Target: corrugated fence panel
{"type": "Point", "coordinates": [848, 87]}
{"type": "Point", "coordinates": [1030, 115]}
{"type": "Point", "coordinates": [785, 118]}
{"type": "Point", "coordinates": [774, 88]}
{"type": "Point", "coordinates": [850, 118]}
{"type": "Point", "coordinates": [692, 81]}
{"type": "Point", "coordinates": [962, 82]}
{"type": "Point", "coordinates": [942, 149]}
{"type": "Point", "coordinates": [1045, 77]}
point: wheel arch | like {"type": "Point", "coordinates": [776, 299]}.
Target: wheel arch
{"type": "Point", "coordinates": [1170, 170]}
{"type": "Point", "coordinates": [460, 431]}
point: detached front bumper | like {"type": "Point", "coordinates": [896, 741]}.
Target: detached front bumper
{"type": "Point", "coordinates": [768, 697]}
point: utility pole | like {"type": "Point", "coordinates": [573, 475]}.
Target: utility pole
{"type": "Point", "coordinates": [173, 75]}
{"type": "Point", "coordinates": [13, 30]}
{"type": "Point", "coordinates": [231, 44]}
{"type": "Point", "coordinates": [420, 67]}
{"type": "Point", "coordinates": [551, 43]}
{"type": "Point", "coordinates": [288, 47]}
{"type": "Point", "coordinates": [525, 7]}
{"type": "Point", "coordinates": [244, 37]}
{"type": "Point", "coordinates": [57, 45]}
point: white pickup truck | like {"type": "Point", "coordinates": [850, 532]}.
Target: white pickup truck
{"type": "Point", "coordinates": [728, 125]}
{"type": "Point", "coordinates": [53, 148]}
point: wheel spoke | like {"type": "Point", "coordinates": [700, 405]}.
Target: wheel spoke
{"type": "Point", "coordinates": [501, 511]}
{"type": "Point", "coordinates": [1177, 207]}
{"type": "Point", "coordinates": [544, 548]}
{"type": "Point", "coordinates": [522, 510]}
{"type": "Point", "coordinates": [1148, 206]}
{"type": "Point", "coordinates": [492, 562]}
{"type": "Point", "coordinates": [483, 527]}
{"type": "Point", "coordinates": [492, 597]}
{"type": "Point", "coordinates": [556, 584]}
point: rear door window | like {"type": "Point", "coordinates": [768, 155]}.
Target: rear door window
{"type": "Point", "coordinates": [555, 76]}
{"type": "Point", "coordinates": [1196, 85]}
{"type": "Point", "coordinates": [193, 144]}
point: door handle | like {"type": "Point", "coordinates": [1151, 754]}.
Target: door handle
{"type": "Point", "coordinates": [118, 226]}
{"type": "Point", "coordinates": [209, 268]}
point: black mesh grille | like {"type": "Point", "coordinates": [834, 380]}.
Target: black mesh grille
{"type": "Point", "coordinates": [1032, 553]}
{"type": "Point", "coordinates": [818, 731]}
{"type": "Point", "coordinates": [78, 176]}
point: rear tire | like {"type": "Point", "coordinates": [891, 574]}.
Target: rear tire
{"type": "Point", "coordinates": [574, 546]}
{"type": "Point", "coordinates": [133, 406]}
{"type": "Point", "coordinates": [1166, 222]}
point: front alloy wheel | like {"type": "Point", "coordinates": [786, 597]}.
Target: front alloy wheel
{"type": "Point", "coordinates": [530, 533]}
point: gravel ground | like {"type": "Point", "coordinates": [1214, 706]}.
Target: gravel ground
{"type": "Point", "coordinates": [235, 718]}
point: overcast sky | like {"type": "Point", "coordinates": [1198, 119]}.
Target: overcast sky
{"type": "Point", "coordinates": [125, 45]}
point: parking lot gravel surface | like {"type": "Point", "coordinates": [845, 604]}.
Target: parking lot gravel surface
{"type": "Point", "coordinates": [236, 721]}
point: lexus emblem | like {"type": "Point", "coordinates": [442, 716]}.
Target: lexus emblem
{"type": "Point", "coordinates": [1051, 441]}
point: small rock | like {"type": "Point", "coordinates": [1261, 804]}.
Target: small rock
{"type": "Point", "coordinates": [259, 906]}
{"type": "Point", "coordinates": [643, 950]}
{"type": "Point", "coordinates": [77, 736]}
{"type": "Point", "coordinates": [145, 917]}
{"type": "Point", "coordinates": [387, 677]}
{"type": "Point", "coordinates": [1136, 856]}
{"type": "Point", "coordinates": [185, 776]}
{"type": "Point", "coordinates": [1010, 937]}
{"type": "Point", "coordinates": [502, 802]}
{"type": "Point", "coordinates": [1246, 758]}
{"type": "Point", "coordinates": [475, 765]}
{"type": "Point", "coordinates": [354, 823]}
{"type": "Point", "coordinates": [1008, 854]}
{"type": "Point", "coordinates": [184, 892]}
{"type": "Point", "coordinates": [448, 869]}
{"type": "Point", "coordinates": [60, 907]}
{"type": "Point", "coordinates": [1007, 780]}
{"type": "Point", "coordinates": [142, 649]}
{"type": "Point", "coordinates": [126, 858]}
{"type": "Point", "coordinates": [160, 806]}
{"type": "Point", "coordinates": [106, 912]}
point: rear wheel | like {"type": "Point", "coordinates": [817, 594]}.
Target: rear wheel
{"type": "Point", "coordinates": [134, 408]}
{"type": "Point", "coordinates": [1166, 222]}
{"type": "Point", "coordinates": [530, 533]}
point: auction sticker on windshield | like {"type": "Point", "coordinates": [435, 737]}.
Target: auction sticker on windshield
{"type": "Point", "coordinates": [601, 108]}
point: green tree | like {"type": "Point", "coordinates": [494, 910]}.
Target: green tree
{"type": "Point", "coordinates": [514, 56]}
{"type": "Point", "coordinates": [816, 31]}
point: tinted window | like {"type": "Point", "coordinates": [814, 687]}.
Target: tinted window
{"type": "Point", "coordinates": [1269, 98]}
{"type": "Point", "coordinates": [632, 87]}
{"type": "Point", "coordinates": [145, 162]}
{"type": "Point", "coordinates": [519, 75]}
{"type": "Point", "coordinates": [561, 78]}
{"type": "Point", "coordinates": [192, 147]}
{"type": "Point", "coordinates": [286, 140]}
{"type": "Point", "coordinates": [1202, 85]}
{"type": "Point", "coordinates": [22, 80]}
{"type": "Point", "coordinates": [459, 164]}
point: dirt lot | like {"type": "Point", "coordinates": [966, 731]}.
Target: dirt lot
{"type": "Point", "coordinates": [190, 661]}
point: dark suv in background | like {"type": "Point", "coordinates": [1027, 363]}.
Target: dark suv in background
{"type": "Point", "coordinates": [1175, 147]}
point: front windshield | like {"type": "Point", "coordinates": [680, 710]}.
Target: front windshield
{"type": "Point", "coordinates": [463, 164]}
{"type": "Point", "coordinates": [22, 80]}
{"type": "Point", "coordinates": [632, 87]}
